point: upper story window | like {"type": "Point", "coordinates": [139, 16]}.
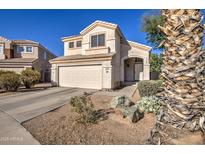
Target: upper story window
{"type": "Point", "coordinates": [78, 44]}
{"type": "Point", "coordinates": [44, 55]}
{"type": "Point", "coordinates": [20, 49]}
{"type": "Point", "coordinates": [28, 49]}
{"type": "Point", "coordinates": [24, 49]}
{"type": "Point", "coordinates": [1, 49]}
{"type": "Point", "coordinates": [71, 44]}
{"type": "Point", "coordinates": [98, 40]}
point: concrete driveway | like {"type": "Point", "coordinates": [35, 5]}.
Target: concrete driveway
{"type": "Point", "coordinates": [19, 107]}
{"type": "Point", "coordinates": [27, 105]}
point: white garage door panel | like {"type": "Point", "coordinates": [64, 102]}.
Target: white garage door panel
{"type": "Point", "coordinates": [81, 76]}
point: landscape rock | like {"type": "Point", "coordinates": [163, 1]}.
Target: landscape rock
{"type": "Point", "coordinates": [127, 108]}
{"type": "Point", "coordinates": [133, 113]}
{"type": "Point", "coordinates": [121, 101]}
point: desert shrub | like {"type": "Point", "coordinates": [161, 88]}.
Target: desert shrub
{"type": "Point", "coordinates": [30, 77]}
{"type": "Point", "coordinates": [84, 107]}
{"type": "Point", "coordinates": [10, 81]}
{"type": "Point", "coordinates": [4, 72]}
{"type": "Point", "coordinates": [149, 87]}
{"type": "Point", "coordinates": [149, 104]}
{"type": "Point", "coordinates": [1, 72]}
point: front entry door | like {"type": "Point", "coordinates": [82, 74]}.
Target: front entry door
{"type": "Point", "coordinates": [138, 69]}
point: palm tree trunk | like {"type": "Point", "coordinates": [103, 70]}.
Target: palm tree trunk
{"type": "Point", "coordinates": [183, 72]}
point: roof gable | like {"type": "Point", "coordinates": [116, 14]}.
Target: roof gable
{"type": "Point", "coordinates": [98, 23]}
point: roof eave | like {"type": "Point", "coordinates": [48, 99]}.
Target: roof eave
{"type": "Point", "coordinates": [56, 60]}
{"type": "Point", "coordinates": [142, 46]}
{"type": "Point", "coordinates": [68, 38]}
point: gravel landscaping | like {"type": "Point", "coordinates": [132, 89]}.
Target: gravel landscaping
{"type": "Point", "coordinates": [60, 127]}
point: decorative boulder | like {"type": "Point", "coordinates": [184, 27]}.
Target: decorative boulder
{"type": "Point", "coordinates": [132, 113]}
{"type": "Point", "coordinates": [136, 116]}
{"type": "Point", "coordinates": [120, 101]}
{"type": "Point", "coordinates": [127, 108]}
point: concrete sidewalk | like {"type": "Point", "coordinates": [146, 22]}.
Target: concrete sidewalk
{"type": "Point", "coordinates": [127, 91]}
{"type": "Point", "coordinates": [12, 133]}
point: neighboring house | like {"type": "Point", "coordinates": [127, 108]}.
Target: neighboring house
{"type": "Point", "coordinates": [16, 55]}
{"type": "Point", "coordinates": [100, 58]}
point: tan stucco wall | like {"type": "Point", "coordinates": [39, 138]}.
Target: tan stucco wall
{"type": "Point", "coordinates": [33, 54]}
{"type": "Point", "coordinates": [17, 70]}
{"type": "Point", "coordinates": [7, 45]}
{"type": "Point", "coordinates": [116, 62]}
{"type": "Point", "coordinates": [112, 44]}
{"type": "Point", "coordinates": [73, 51]}
{"type": "Point", "coordinates": [5, 42]}
{"type": "Point", "coordinates": [109, 38]}
{"type": "Point", "coordinates": [128, 51]}
{"type": "Point", "coordinates": [41, 64]}
{"type": "Point", "coordinates": [86, 49]}
{"type": "Point", "coordinates": [94, 51]}
{"type": "Point", "coordinates": [2, 56]}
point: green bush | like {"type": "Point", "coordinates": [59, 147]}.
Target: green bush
{"type": "Point", "coordinates": [30, 77]}
{"type": "Point", "coordinates": [149, 104]}
{"type": "Point", "coordinates": [1, 72]}
{"type": "Point", "coordinates": [4, 72]}
{"type": "Point", "coordinates": [85, 108]}
{"type": "Point", "coordinates": [10, 81]}
{"type": "Point", "coordinates": [149, 87]}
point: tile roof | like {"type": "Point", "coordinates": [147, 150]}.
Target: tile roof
{"type": "Point", "coordinates": [139, 44]}
{"type": "Point", "coordinates": [17, 60]}
{"type": "Point", "coordinates": [77, 57]}
{"type": "Point", "coordinates": [24, 41]}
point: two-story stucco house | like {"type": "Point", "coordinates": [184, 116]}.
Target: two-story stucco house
{"type": "Point", "coordinates": [100, 58]}
{"type": "Point", "coordinates": [17, 55]}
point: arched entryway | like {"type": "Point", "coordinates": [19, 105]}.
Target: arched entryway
{"type": "Point", "coordinates": [133, 69]}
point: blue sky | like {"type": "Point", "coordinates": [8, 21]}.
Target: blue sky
{"type": "Point", "coordinates": [48, 26]}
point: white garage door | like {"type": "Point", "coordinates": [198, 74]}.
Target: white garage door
{"type": "Point", "coordinates": [81, 76]}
